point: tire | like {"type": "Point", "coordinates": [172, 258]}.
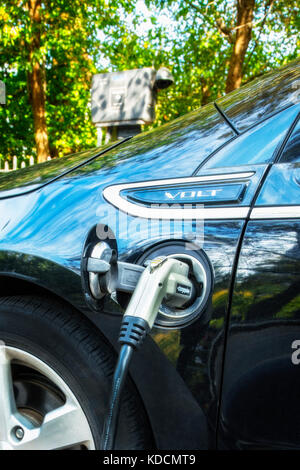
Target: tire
{"type": "Point", "coordinates": [57, 362]}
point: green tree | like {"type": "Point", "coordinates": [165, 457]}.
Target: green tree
{"type": "Point", "coordinates": [215, 46]}
{"type": "Point", "coordinates": [48, 52]}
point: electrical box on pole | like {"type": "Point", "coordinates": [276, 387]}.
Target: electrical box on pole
{"type": "Point", "coordinates": [123, 101]}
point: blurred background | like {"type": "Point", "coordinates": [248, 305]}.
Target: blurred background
{"type": "Point", "coordinates": [51, 49]}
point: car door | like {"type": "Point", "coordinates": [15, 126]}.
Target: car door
{"type": "Point", "coordinates": [184, 359]}
{"type": "Point", "coordinates": [236, 171]}
{"type": "Point", "coordinates": [260, 405]}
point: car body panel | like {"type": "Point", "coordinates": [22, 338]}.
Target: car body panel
{"type": "Point", "coordinates": [275, 192]}
{"type": "Point", "coordinates": [44, 229]}
{"type": "Point", "coordinates": [164, 150]}
{"type": "Point", "coordinates": [260, 405]}
{"type": "Point", "coordinates": [257, 145]}
{"type": "Point", "coordinates": [41, 239]}
{"type": "Point", "coordinates": [36, 176]}
{"type": "Point", "coordinates": [262, 97]}
{"type": "Point", "coordinates": [45, 248]}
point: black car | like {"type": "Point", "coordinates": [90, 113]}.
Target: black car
{"type": "Point", "coordinates": [218, 189]}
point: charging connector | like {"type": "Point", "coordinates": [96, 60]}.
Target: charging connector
{"type": "Point", "coordinates": [163, 278]}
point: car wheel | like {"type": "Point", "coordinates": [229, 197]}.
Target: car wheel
{"type": "Point", "coordinates": [55, 379]}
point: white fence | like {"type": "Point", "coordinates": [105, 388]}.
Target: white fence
{"type": "Point", "coordinates": [11, 166]}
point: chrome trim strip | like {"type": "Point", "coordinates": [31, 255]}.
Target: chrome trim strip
{"type": "Point", "coordinates": [275, 212]}
{"type": "Point", "coordinates": [112, 195]}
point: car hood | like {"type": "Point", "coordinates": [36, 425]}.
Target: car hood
{"type": "Point", "coordinates": [15, 183]}
{"type": "Point", "coordinates": [189, 138]}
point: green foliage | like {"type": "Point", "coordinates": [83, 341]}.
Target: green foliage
{"type": "Point", "coordinates": [69, 50]}
{"type": "Point", "coordinates": [200, 46]}
{"type": "Point", "coordinates": [192, 38]}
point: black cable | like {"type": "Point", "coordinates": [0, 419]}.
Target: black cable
{"type": "Point", "coordinates": [132, 334]}
{"type": "Point", "coordinates": [110, 424]}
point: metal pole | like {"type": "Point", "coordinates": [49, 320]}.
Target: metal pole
{"type": "Point", "coordinates": [99, 136]}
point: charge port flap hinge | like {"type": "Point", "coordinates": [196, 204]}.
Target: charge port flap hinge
{"type": "Point", "coordinates": [108, 275]}
{"type": "Point", "coordinates": [95, 265]}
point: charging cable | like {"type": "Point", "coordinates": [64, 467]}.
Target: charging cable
{"type": "Point", "coordinates": [164, 278]}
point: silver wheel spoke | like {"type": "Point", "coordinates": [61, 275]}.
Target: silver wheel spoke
{"type": "Point", "coordinates": [7, 399]}
{"type": "Point", "coordinates": [63, 427]}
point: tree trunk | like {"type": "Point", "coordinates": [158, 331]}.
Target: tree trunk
{"type": "Point", "coordinates": [205, 89]}
{"type": "Point", "coordinates": [243, 28]}
{"type": "Point", "coordinates": [36, 79]}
